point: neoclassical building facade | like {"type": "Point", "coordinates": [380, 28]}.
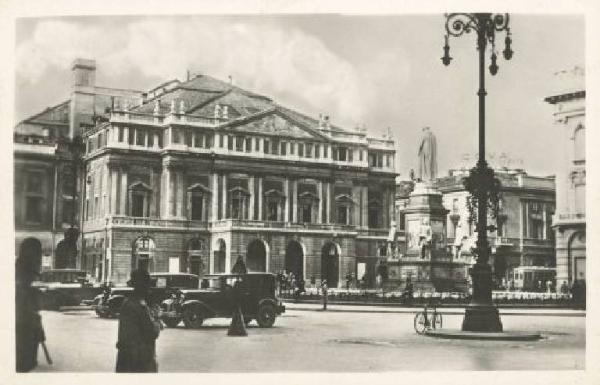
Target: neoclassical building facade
{"type": "Point", "coordinates": [569, 222]}
{"type": "Point", "coordinates": [203, 172]}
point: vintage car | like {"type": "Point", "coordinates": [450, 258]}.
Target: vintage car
{"type": "Point", "coordinates": [218, 296]}
{"type": "Point", "coordinates": [108, 304]}
{"type": "Point", "coordinates": [64, 287]}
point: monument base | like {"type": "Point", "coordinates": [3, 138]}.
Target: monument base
{"type": "Point", "coordinates": [482, 318]}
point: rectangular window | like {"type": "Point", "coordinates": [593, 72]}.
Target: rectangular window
{"type": "Point", "coordinates": [379, 160]}
{"type": "Point", "coordinates": [151, 139]}
{"type": "Point", "coordinates": [67, 211]}
{"type": "Point", "coordinates": [248, 144]}
{"type": "Point", "coordinates": [342, 215]}
{"type": "Point", "coordinates": [139, 137]}
{"type": "Point", "coordinates": [325, 151]}
{"type": "Point", "coordinates": [317, 151]}
{"type": "Point", "coordinates": [257, 144]}
{"type": "Point", "coordinates": [283, 150]}
{"type": "Point", "coordinates": [309, 150]}
{"type": "Point", "coordinates": [334, 153]}
{"type": "Point", "coordinates": [137, 204]}
{"type": "Point", "coordinates": [350, 155]}
{"type": "Point", "coordinates": [275, 147]}
{"type": "Point", "coordinates": [360, 155]}
{"type": "Point", "coordinates": [387, 160]}
{"type": "Point", "coordinates": [272, 211]}
{"type": "Point", "coordinates": [33, 209]}
{"type": "Point", "coordinates": [197, 207]}
{"type": "Point", "coordinates": [221, 141]}
{"type": "Point", "coordinates": [131, 136]}
{"type": "Point", "coordinates": [121, 133]}
{"type": "Point", "coordinates": [292, 148]}
{"type": "Point", "coordinates": [239, 143]}
{"type": "Point", "coordinates": [188, 137]}
{"type": "Point", "coordinates": [300, 149]}
{"type": "Point", "coordinates": [160, 140]}
{"type": "Point", "coordinates": [208, 140]}
{"type": "Point", "coordinates": [372, 161]}
{"type": "Point", "coordinates": [266, 146]}
{"type": "Point", "coordinates": [342, 154]}
{"type": "Point", "coordinates": [230, 142]}
{"type": "Point", "coordinates": [307, 213]}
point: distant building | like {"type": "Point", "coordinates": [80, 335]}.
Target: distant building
{"type": "Point", "coordinates": [47, 181]}
{"type": "Point", "coordinates": [570, 219]}
{"type": "Point", "coordinates": [524, 236]}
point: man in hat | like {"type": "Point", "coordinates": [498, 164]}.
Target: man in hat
{"type": "Point", "coordinates": [324, 289]}
{"type": "Point", "coordinates": [138, 329]}
{"type": "Point", "coordinates": [29, 332]}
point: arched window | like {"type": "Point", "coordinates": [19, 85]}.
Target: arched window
{"type": "Point", "coordinates": [143, 253]}
{"type": "Point", "coordinates": [579, 143]}
{"type": "Point", "coordinates": [196, 254]}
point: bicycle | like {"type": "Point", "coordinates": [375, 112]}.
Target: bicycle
{"type": "Point", "coordinates": [427, 321]}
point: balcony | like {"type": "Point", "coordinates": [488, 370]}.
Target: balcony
{"type": "Point", "coordinates": [138, 222]}
{"type": "Point", "coordinates": [227, 224]}
{"type": "Point", "coordinates": [568, 219]}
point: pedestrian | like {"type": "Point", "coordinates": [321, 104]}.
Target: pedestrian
{"type": "Point", "coordinates": [564, 288]}
{"type": "Point", "coordinates": [324, 289]}
{"type": "Point", "coordinates": [239, 267]}
{"type": "Point", "coordinates": [29, 331]}
{"type": "Point", "coordinates": [138, 329]}
{"type": "Point", "coordinates": [348, 278]}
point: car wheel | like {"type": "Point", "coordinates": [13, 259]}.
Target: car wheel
{"type": "Point", "coordinates": [171, 322]}
{"type": "Point", "coordinates": [192, 317]}
{"type": "Point", "coordinates": [266, 316]}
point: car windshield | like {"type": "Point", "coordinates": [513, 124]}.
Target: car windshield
{"type": "Point", "coordinates": [63, 276]}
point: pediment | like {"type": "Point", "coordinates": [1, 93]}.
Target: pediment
{"type": "Point", "coordinates": [276, 123]}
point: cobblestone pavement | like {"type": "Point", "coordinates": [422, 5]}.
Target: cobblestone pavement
{"type": "Point", "coordinates": [317, 341]}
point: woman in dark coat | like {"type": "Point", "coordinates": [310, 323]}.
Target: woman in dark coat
{"type": "Point", "coordinates": [138, 329]}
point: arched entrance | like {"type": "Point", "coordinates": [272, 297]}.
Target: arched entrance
{"type": "Point", "coordinates": [143, 254]}
{"type": "Point", "coordinates": [577, 257]}
{"type": "Point", "coordinates": [256, 259]}
{"type": "Point", "coordinates": [294, 258]}
{"type": "Point", "coordinates": [330, 263]}
{"type": "Point", "coordinates": [220, 256]}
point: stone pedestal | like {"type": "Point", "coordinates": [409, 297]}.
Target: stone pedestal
{"type": "Point", "coordinates": [427, 261]}
{"type": "Point", "coordinates": [481, 315]}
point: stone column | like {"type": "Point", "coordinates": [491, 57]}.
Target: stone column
{"type": "Point", "coordinates": [114, 188]}
{"type": "Point", "coordinates": [385, 208]}
{"type": "Point", "coordinates": [356, 205]}
{"type": "Point", "coordinates": [155, 142]}
{"type": "Point", "coordinates": [171, 199]}
{"type": "Point", "coordinates": [260, 197]}
{"type": "Point", "coordinates": [328, 202]}
{"type": "Point", "coordinates": [365, 206]}
{"type": "Point", "coordinates": [320, 196]}
{"type": "Point", "coordinates": [180, 200]}
{"type": "Point", "coordinates": [215, 197]}
{"type": "Point", "coordinates": [295, 201]}
{"type": "Point", "coordinates": [286, 205]}
{"type": "Point", "coordinates": [124, 192]}
{"type": "Point", "coordinates": [252, 196]}
{"type": "Point", "coordinates": [224, 201]}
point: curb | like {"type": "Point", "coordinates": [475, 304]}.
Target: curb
{"type": "Point", "coordinates": [498, 336]}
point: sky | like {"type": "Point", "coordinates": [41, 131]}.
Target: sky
{"type": "Point", "coordinates": [377, 71]}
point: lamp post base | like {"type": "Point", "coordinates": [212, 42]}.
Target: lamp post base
{"type": "Point", "coordinates": [482, 318]}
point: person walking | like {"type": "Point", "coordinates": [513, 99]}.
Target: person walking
{"type": "Point", "coordinates": [29, 331]}
{"type": "Point", "coordinates": [138, 329]}
{"type": "Point", "coordinates": [324, 290]}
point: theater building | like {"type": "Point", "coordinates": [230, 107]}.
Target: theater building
{"type": "Point", "coordinates": [202, 172]}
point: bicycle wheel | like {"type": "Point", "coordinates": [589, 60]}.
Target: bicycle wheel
{"type": "Point", "coordinates": [437, 321]}
{"type": "Point", "coordinates": [420, 323]}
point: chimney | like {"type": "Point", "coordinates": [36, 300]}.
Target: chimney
{"type": "Point", "coordinates": [84, 72]}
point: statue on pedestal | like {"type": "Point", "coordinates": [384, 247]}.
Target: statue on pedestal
{"type": "Point", "coordinates": [427, 156]}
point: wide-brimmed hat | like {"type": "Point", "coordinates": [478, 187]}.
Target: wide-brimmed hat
{"type": "Point", "coordinates": [139, 278]}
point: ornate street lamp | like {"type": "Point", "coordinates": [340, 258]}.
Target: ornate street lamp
{"type": "Point", "coordinates": [481, 315]}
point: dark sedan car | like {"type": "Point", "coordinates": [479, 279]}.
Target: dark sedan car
{"type": "Point", "coordinates": [219, 295]}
